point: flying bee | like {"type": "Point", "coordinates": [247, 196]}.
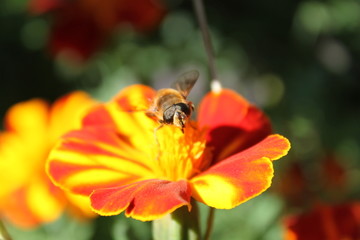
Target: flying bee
{"type": "Point", "coordinates": [170, 106]}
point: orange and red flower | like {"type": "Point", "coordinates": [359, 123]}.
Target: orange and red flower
{"type": "Point", "coordinates": [27, 196]}
{"type": "Point", "coordinates": [325, 222]}
{"type": "Point", "coordinates": [81, 27]}
{"type": "Point", "coordinates": [222, 160]}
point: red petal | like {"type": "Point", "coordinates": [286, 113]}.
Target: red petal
{"type": "Point", "coordinates": [145, 200]}
{"type": "Point", "coordinates": [233, 123]}
{"type": "Point", "coordinates": [99, 116]}
{"type": "Point", "coordinates": [273, 147]}
{"type": "Point", "coordinates": [241, 176]}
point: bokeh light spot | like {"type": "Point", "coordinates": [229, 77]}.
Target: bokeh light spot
{"type": "Point", "coordinates": [311, 19]}
{"type": "Point", "coordinates": [34, 34]}
{"type": "Point", "coordinates": [268, 90]}
{"type": "Point", "coordinates": [176, 29]}
{"type": "Point", "coordinates": [334, 56]}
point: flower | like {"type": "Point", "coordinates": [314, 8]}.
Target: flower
{"type": "Point", "coordinates": [325, 222]}
{"type": "Point", "coordinates": [333, 173]}
{"type": "Point", "coordinates": [327, 178]}
{"type": "Point", "coordinates": [123, 163]}
{"type": "Point", "coordinates": [81, 27]}
{"type": "Point", "coordinates": [27, 196]}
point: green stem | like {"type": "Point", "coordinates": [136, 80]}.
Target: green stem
{"type": "Point", "coordinates": [209, 224]}
{"type": "Point", "coordinates": [179, 225]}
{"type": "Point", "coordinates": [4, 235]}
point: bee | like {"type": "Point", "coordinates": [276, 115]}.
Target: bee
{"type": "Point", "coordinates": [169, 106]}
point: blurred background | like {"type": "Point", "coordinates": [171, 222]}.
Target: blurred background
{"type": "Point", "coordinates": [297, 60]}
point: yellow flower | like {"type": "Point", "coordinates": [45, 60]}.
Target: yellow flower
{"type": "Point", "coordinates": [27, 196]}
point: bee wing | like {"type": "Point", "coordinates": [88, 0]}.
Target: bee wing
{"type": "Point", "coordinates": [185, 82]}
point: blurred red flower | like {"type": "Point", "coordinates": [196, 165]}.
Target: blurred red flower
{"type": "Point", "coordinates": [327, 178]}
{"type": "Point", "coordinates": [294, 176]}
{"type": "Point", "coordinates": [338, 222]}
{"type": "Point", "coordinates": [81, 27]}
{"type": "Point", "coordinates": [332, 173]}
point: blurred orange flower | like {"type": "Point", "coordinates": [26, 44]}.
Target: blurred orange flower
{"type": "Point", "coordinates": [222, 160]}
{"type": "Point", "coordinates": [325, 222]}
{"type": "Point", "coordinates": [27, 196]}
{"type": "Point", "coordinates": [81, 27]}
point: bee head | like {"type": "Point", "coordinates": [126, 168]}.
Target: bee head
{"type": "Point", "coordinates": [177, 115]}
{"type": "Point", "coordinates": [179, 119]}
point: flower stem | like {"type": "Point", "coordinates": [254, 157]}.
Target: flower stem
{"type": "Point", "coordinates": [4, 235]}
{"type": "Point", "coordinates": [201, 16]}
{"type": "Point", "coordinates": [179, 225]}
{"type": "Point", "coordinates": [209, 224]}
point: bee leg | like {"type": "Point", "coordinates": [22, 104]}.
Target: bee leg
{"type": "Point", "coordinates": [156, 139]}
{"type": "Point", "coordinates": [150, 114]}
{"type": "Point", "coordinates": [192, 106]}
{"type": "Point", "coordinates": [191, 124]}
{"type": "Point", "coordinates": [155, 130]}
